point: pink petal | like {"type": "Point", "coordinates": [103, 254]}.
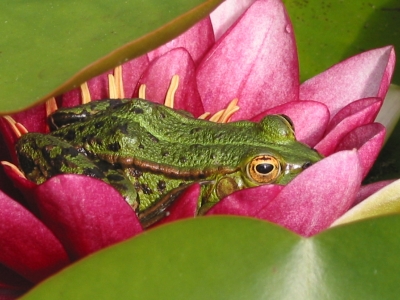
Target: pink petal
{"type": "Point", "coordinates": [355, 114]}
{"type": "Point", "coordinates": [23, 194]}
{"type": "Point", "coordinates": [197, 41]}
{"type": "Point", "coordinates": [247, 202]}
{"type": "Point", "coordinates": [86, 214]}
{"type": "Point", "coordinates": [33, 118]}
{"type": "Point", "coordinates": [309, 130]}
{"type": "Point", "coordinates": [368, 140]}
{"type": "Point", "coordinates": [365, 75]}
{"type": "Point", "coordinates": [369, 189]}
{"type": "Point", "coordinates": [318, 196]}
{"type": "Point", "coordinates": [184, 207]}
{"type": "Point", "coordinates": [27, 246]}
{"type": "Point", "coordinates": [131, 72]}
{"type": "Point", "coordinates": [226, 14]}
{"type": "Point", "coordinates": [158, 76]}
{"type": "Point", "coordinates": [259, 67]}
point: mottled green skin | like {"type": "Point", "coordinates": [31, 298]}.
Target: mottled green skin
{"type": "Point", "coordinates": [150, 152]}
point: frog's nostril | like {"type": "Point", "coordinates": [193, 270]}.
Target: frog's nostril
{"type": "Point", "coordinates": [306, 165]}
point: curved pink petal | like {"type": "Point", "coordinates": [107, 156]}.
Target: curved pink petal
{"type": "Point", "coordinates": [33, 118]}
{"type": "Point", "coordinates": [23, 186]}
{"type": "Point", "coordinates": [86, 214]}
{"type": "Point", "coordinates": [27, 246]}
{"type": "Point", "coordinates": [365, 75]}
{"type": "Point", "coordinates": [184, 207]}
{"type": "Point", "coordinates": [369, 189]}
{"type": "Point", "coordinates": [368, 140]}
{"type": "Point", "coordinates": [355, 114]}
{"type": "Point", "coordinates": [197, 41]}
{"type": "Point", "coordinates": [259, 67]}
{"type": "Point", "coordinates": [226, 14]}
{"type": "Point", "coordinates": [131, 73]}
{"type": "Point", "coordinates": [158, 75]}
{"type": "Point", "coordinates": [310, 119]}
{"type": "Point", "coordinates": [318, 196]}
{"type": "Point", "coordinates": [247, 202]}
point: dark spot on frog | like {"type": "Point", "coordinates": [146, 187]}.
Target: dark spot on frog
{"type": "Point", "coordinates": [183, 159]}
{"type": "Point", "coordinates": [115, 177]}
{"type": "Point", "coordinates": [115, 103]}
{"type": "Point", "coordinates": [137, 186]}
{"type": "Point", "coordinates": [71, 134]}
{"type": "Point", "coordinates": [114, 147]}
{"type": "Point", "coordinates": [162, 115]}
{"type": "Point", "coordinates": [146, 189]}
{"type": "Point", "coordinates": [138, 110]}
{"type": "Point", "coordinates": [161, 186]}
{"type": "Point", "coordinates": [194, 130]}
{"type": "Point", "coordinates": [135, 173]}
{"type": "Point", "coordinates": [123, 128]}
{"type": "Point", "coordinates": [141, 146]}
{"type": "Point", "coordinates": [87, 138]}
{"type": "Point", "coordinates": [72, 152]}
{"type": "Point", "coordinates": [153, 138]}
{"type": "Point", "coordinates": [93, 172]}
{"type": "Point", "coordinates": [164, 152]}
{"type": "Point", "coordinates": [26, 163]}
{"type": "Point", "coordinates": [99, 124]}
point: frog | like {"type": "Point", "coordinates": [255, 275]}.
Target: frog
{"type": "Point", "coordinates": [151, 153]}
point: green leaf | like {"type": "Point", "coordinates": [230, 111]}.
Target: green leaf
{"type": "Point", "coordinates": [238, 258]}
{"type": "Point", "coordinates": [330, 31]}
{"type": "Point", "coordinates": [48, 47]}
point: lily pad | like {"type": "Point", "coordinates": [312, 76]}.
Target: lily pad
{"type": "Point", "coordinates": [238, 258]}
{"type": "Point", "coordinates": [330, 31]}
{"type": "Point", "coordinates": [48, 47]}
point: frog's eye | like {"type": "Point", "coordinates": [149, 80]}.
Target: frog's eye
{"type": "Point", "coordinates": [264, 169]}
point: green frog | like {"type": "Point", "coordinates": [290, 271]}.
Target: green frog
{"type": "Point", "coordinates": [150, 153]}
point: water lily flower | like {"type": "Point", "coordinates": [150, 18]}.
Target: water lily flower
{"type": "Point", "coordinates": [43, 228]}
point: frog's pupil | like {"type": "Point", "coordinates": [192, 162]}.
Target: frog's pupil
{"type": "Point", "coordinates": [264, 168]}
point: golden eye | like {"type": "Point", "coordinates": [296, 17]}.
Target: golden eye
{"type": "Point", "coordinates": [264, 169]}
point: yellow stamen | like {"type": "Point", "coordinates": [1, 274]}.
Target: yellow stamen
{"type": "Point", "coordinates": [229, 111]}
{"type": "Point", "coordinates": [224, 115]}
{"type": "Point", "coordinates": [14, 168]}
{"type": "Point", "coordinates": [173, 86]}
{"type": "Point", "coordinates": [16, 127]}
{"type": "Point", "coordinates": [112, 89]}
{"type": "Point", "coordinates": [85, 93]}
{"type": "Point", "coordinates": [215, 117]}
{"type": "Point", "coordinates": [142, 91]}
{"type": "Point", "coordinates": [119, 84]}
{"type": "Point", "coordinates": [204, 116]}
{"type": "Point", "coordinates": [51, 106]}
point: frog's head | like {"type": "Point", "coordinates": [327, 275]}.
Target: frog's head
{"type": "Point", "coordinates": [275, 158]}
{"type": "Point", "coordinates": [283, 156]}
{"type": "Point", "coordinates": [277, 164]}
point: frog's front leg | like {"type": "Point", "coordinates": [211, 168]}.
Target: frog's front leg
{"type": "Point", "coordinates": [42, 156]}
